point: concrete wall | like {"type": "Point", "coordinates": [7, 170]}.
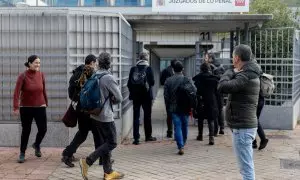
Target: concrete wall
{"type": "Point", "coordinates": [155, 64]}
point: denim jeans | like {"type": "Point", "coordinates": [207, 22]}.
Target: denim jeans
{"type": "Point", "coordinates": [180, 122]}
{"type": "Point", "coordinates": [242, 144]}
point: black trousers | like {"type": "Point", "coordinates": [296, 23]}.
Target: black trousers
{"type": "Point", "coordinates": [27, 114]}
{"type": "Point", "coordinates": [109, 134]}
{"type": "Point", "coordinates": [210, 123]}
{"type": "Point", "coordinates": [260, 130]}
{"type": "Point", "coordinates": [169, 124]}
{"type": "Point", "coordinates": [147, 107]}
{"type": "Point", "coordinates": [220, 119]}
{"type": "Point", "coordinates": [85, 124]}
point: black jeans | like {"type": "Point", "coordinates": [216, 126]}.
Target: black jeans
{"type": "Point", "coordinates": [147, 107]}
{"type": "Point", "coordinates": [27, 114]}
{"type": "Point", "coordinates": [260, 130]}
{"type": "Point", "coordinates": [109, 134]}
{"type": "Point", "coordinates": [85, 124]}
{"type": "Point", "coordinates": [220, 99]}
{"type": "Point", "coordinates": [211, 125]}
{"type": "Point", "coordinates": [169, 124]}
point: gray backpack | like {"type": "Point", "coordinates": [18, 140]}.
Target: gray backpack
{"type": "Point", "coordinates": [266, 85]}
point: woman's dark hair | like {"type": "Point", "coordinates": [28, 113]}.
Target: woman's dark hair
{"type": "Point", "coordinates": [30, 60]}
{"type": "Point", "coordinates": [104, 60]}
{"type": "Point", "coordinates": [205, 67]}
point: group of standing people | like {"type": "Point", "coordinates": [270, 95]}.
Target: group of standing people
{"type": "Point", "coordinates": [205, 96]}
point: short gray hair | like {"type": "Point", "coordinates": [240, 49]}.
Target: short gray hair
{"type": "Point", "coordinates": [243, 51]}
{"type": "Point", "coordinates": [143, 56]}
{"type": "Point", "coordinates": [104, 60]}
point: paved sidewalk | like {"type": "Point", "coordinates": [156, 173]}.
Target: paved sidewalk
{"type": "Point", "coordinates": [159, 161]}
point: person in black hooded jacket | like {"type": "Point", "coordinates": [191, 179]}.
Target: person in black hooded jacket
{"type": "Point", "coordinates": [206, 84]}
{"type": "Point", "coordinates": [217, 70]}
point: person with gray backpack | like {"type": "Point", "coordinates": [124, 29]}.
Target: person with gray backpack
{"type": "Point", "coordinates": [103, 86]}
{"type": "Point", "coordinates": [140, 83]}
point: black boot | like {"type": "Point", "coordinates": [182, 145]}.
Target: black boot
{"type": "Point", "coordinates": [200, 137]}
{"type": "Point", "coordinates": [68, 161]}
{"type": "Point", "coordinates": [169, 134]}
{"type": "Point", "coordinates": [254, 144]}
{"type": "Point", "coordinates": [211, 140]}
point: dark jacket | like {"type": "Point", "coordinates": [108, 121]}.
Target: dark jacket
{"type": "Point", "coordinates": [170, 88]}
{"type": "Point", "coordinates": [137, 94]}
{"type": "Point", "coordinates": [206, 85]}
{"type": "Point", "coordinates": [243, 88]}
{"type": "Point", "coordinates": [165, 74]}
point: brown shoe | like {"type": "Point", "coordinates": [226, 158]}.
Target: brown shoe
{"type": "Point", "coordinates": [181, 152]}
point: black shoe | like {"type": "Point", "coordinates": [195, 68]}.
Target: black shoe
{"type": "Point", "coordinates": [136, 142]}
{"type": "Point", "coordinates": [211, 140]}
{"type": "Point", "coordinates": [37, 150]}
{"type": "Point", "coordinates": [151, 139]}
{"type": "Point", "coordinates": [169, 134]}
{"type": "Point", "coordinates": [263, 144]}
{"type": "Point", "coordinates": [74, 159]}
{"type": "Point", "coordinates": [221, 131]}
{"type": "Point", "coordinates": [254, 144]}
{"type": "Point", "coordinates": [68, 161]}
{"type": "Point", "coordinates": [200, 138]}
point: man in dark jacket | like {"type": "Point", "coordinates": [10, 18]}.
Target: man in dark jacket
{"type": "Point", "coordinates": [243, 86]}
{"type": "Point", "coordinates": [206, 84]}
{"type": "Point", "coordinates": [84, 121]}
{"type": "Point", "coordinates": [217, 70]}
{"type": "Point", "coordinates": [180, 115]}
{"type": "Point", "coordinates": [140, 83]}
{"type": "Point", "coordinates": [166, 73]}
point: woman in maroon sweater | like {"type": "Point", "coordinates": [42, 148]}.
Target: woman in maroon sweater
{"type": "Point", "coordinates": [30, 101]}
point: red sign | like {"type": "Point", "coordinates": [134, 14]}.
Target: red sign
{"type": "Point", "coordinates": [240, 2]}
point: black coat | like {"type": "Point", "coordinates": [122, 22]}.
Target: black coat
{"type": "Point", "coordinates": [206, 85]}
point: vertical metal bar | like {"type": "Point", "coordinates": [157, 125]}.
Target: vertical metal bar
{"type": "Point", "coordinates": [246, 33]}
{"type": "Point", "coordinates": [255, 43]}
{"type": "Point", "coordinates": [237, 36]}
{"type": "Point", "coordinates": [286, 64]}
{"type": "Point", "coordinates": [120, 71]}
{"type": "Point", "coordinates": [68, 49]}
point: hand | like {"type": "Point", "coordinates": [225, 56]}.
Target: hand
{"type": "Point", "coordinates": [16, 112]}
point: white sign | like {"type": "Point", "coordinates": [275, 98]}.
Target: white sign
{"type": "Point", "coordinates": [200, 5]}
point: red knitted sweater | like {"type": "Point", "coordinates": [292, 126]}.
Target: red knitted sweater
{"type": "Point", "coordinates": [30, 90]}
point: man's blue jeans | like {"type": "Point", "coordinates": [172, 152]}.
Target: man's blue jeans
{"type": "Point", "coordinates": [180, 122]}
{"type": "Point", "coordinates": [242, 145]}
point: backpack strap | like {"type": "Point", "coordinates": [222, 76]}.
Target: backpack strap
{"type": "Point", "coordinates": [99, 76]}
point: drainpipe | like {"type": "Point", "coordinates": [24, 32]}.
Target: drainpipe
{"type": "Point", "coordinates": [246, 33]}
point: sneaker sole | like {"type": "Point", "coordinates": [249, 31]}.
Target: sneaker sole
{"type": "Point", "coordinates": [81, 169]}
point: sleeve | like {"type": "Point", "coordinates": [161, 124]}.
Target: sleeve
{"type": "Point", "coordinates": [230, 85]}
{"type": "Point", "coordinates": [150, 76]}
{"type": "Point", "coordinates": [129, 85]}
{"type": "Point", "coordinates": [166, 93]}
{"type": "Point", "coordinates": [44, 89]}
{"type": "Point", "coordinates": [17, 91]}
{"type": "Point", "coordinates": [163, 77]}
{"type": "Point", "coordinates": [114, 90]}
